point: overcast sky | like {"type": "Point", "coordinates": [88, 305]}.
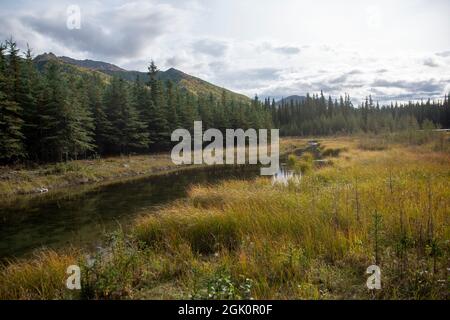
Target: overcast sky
{"type": "Point", "coordinates": [391, 49]}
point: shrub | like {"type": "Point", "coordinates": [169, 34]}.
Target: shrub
{"type": "Point", "coordinates": [222, 286]}
{"type": "Point", "coordinates": [111, 272]}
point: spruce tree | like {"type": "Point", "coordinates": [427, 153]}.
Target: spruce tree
{"type": "Point", "coordinates": [129, 132]}
{"type": "Point", "coordinates": [11, 122]}
{"type": "Point", "coordinates": [81, 127]}
{"type": "Point", "coordinates": [158, 125]}
{"type": "Point", "coordinates": [29, 93]}
{"type": "Point", "coordinates": [102, 126]}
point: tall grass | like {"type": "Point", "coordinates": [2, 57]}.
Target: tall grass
{"type": "Point", "coordinates": [309, 240]}
{"type": "Point", "coordinates": [43, 277]}
{"type": "Point", "coordinates": [316, 239]}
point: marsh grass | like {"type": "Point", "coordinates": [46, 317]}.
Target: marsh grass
{"type": "Point", "coordinates": [252, 239]}
{"type": "Point", "coordinates": [42, 277]}
{"type": "Point", "coordinates": [302, 164]}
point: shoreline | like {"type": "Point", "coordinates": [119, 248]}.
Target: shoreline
{"type": "Point", "coordinates": [16, 183]}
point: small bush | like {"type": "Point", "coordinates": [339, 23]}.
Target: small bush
{"type": "Point", "coordinates": [222, 286]}
{"type": "Point", "coordinates": [112, 272]}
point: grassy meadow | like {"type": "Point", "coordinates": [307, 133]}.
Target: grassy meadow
{"type": "Point", "coordinates": [375, 200]}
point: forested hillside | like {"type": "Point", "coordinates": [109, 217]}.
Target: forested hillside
{"type": "Point", "coordinates": [55, 109]}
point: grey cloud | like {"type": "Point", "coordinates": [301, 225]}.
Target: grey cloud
{"type": "Point", "coordinates": [261, 73]}
{"type": "Point", "coordinates": [175, 61]}
{"type": "Point", "coordinates": [251, 78]}
{"type": "Point", "coordinates": [430, 62]}
{"type": "Point", "coordinates": [443, 54]}
{"type": "Point", "coordinates": [286, 50]}
{"type": "Point", "coordinates": [382, 96]}
{"type": "Point", "coordinates": [330, 85]}
{"type": "Point", "coordinates": [210, 47]}
{"type": "Point", "coordinates": [344, 77]}
{"type": "Point", "coordinates": [422, 87]}
{"type": "Point", "coordinates": [300, 87]}
{"type": "Point", "coordinates": [118, 32]}
{"type": "Point", "coordinates": [379, 88]}
{"type": "Point", "coordinates": [244, 79]}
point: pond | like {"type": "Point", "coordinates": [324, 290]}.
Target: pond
{"type": "Point", "coordinates": [80, 218]}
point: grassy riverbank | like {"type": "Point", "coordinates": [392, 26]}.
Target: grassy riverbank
{"type": "Point", "coordinates": [20, 179]}
{"type": "Point", "coordinates": [376, 201]}
{"type": "Point", "coordinates": [25, 180]}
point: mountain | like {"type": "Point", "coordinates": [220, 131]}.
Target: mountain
{"type": "Point", "coordinates": [93, 65]}
{"type": "Point", "coordinates": [183, 80]}
{"type": "Point", "coordinates": [294, 98]}
{"type": "Point", "coordinates": [41, 61]}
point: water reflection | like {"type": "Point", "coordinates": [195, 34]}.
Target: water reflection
{"type": "Point", "coordinates": [81, 219]}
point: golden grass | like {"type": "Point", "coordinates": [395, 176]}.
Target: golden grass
{"type": "Point", "coordinates": [43, 277]}
{"type": "Point", "coordinates": [312, 240]}
{"type": "Point", "coordinates": [292, 240]}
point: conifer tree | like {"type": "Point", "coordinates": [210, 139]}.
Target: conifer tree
{"type": "Point", "coordinates": [158, 125]}
{"type": "Point", "coordinates": [102, 126]}
{"type": "Point", "coordinates": [11, 122]}
{"type": "Point", "coordinates": [129, 132]}
{"type": "Point", "coordinates": [81, 127]}
{"type": "Point", "coordinates": [30, 90]}
{"type": "Point", "coordinates": [53, 143]}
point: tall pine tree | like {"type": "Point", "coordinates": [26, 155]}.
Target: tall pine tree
{"type": "Point", "coordinates": [11, 122]}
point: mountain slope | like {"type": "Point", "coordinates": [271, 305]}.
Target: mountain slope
{"type": "Point", "coordinates": [93, 65]}
{"type": "Point", "coordinates": [79, 71]}
{"type": "Point", "coordinates": [183, 80]}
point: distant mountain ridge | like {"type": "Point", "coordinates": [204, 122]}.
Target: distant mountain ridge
{"type": "Point", "coordinates": [92, 64]}
{"type": "Point", "coordinates": [289, 99]}
{"type": "Point", "coordinates": [183, 80]}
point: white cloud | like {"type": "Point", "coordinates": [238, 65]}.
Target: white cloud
{"type": "Point", "coordinates": [430, 62]}
{"type": "Point", "coordinates": [301, 46]}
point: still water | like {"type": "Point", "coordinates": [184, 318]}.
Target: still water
{"type": "Point", "coordinates": [81, 218]}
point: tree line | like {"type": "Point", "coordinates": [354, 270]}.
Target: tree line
{"type": "Point", "coordinates": [317, 115]}
{"type": "Point", "coordinates": [56, 115]}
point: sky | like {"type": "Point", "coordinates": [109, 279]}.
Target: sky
{"type": "Point", "coordinates": [392, 50]}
